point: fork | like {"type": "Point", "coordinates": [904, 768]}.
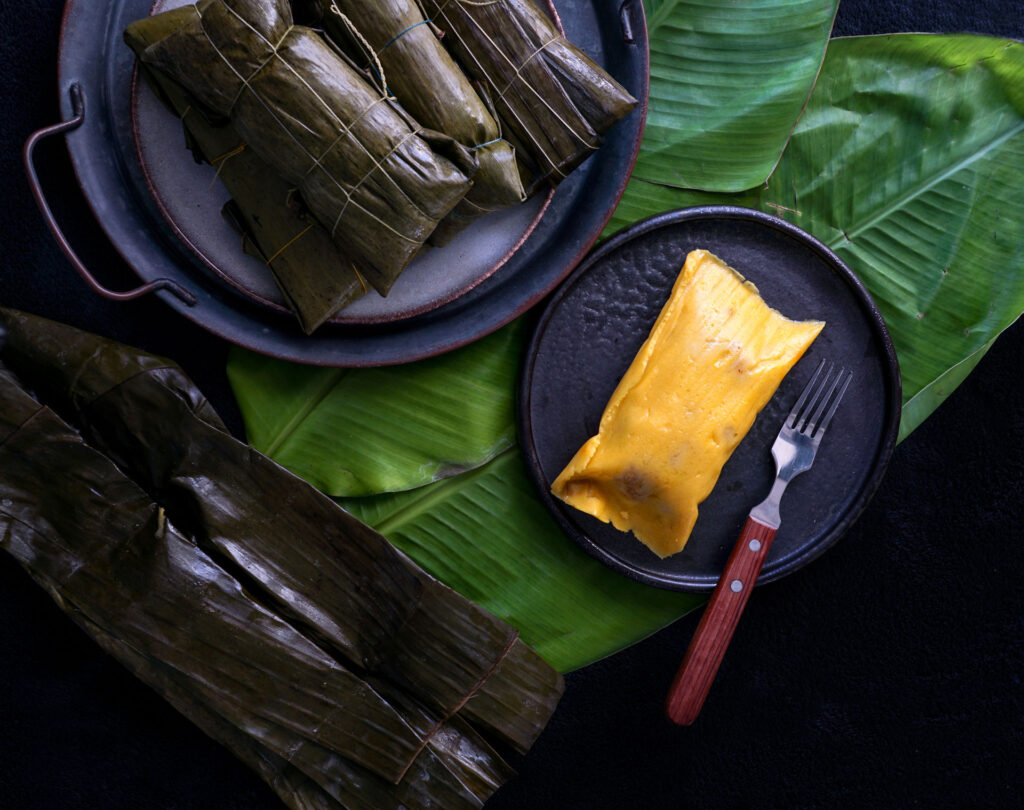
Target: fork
{"type": "Point", "coordinates": [794, 452]}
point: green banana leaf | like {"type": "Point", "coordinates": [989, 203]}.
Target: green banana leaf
{"type": "Point", "coordinates": [908, 162]}
{"type": "Point", "coordinates": [488, 536]}
{"type": "Point", "coordinates": [353, 433]}
{"type": "Point", "coordinates": [728, 80]}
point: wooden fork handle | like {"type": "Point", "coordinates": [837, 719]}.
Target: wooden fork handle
{"type": "Point", "coordinates": [708, 645]}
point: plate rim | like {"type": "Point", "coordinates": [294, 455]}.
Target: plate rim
{"type": "Point", "coordinates": [221, 311]}
{"type": "Point", "coordinates": [892, 379]}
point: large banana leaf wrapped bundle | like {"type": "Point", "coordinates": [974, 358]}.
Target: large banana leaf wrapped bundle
{"type": "Point", "coordinates": [285, 628]}
{"type": "Point", "coordinates": [314, 276]}
{"type": "Point", "coordinates": [415, 67]}
{"type": "Point", "coordinates": [374, 178]}
{"type": "Point", "coordinates": [552, 99]}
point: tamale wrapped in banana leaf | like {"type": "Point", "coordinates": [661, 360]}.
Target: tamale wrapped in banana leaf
{"type": "Point", "coordinates": [314, 276]}
{"type": "Point", "coordinates": [374, 178]}
{"type": "Point", "coordinates": [293, 787]}
{"type": "Point", "coordinates": [420, 73]}
{"type": "Point", "coordinates": [129, 568]}
{"type": "Point", "coordinates": [553, 101]}
{"type": "Point", "coordinates": [332, 576]}
{"type": "Point", "coordinates": [133, 572]}
{"type": "Point", "coordinates": [350, 588]}
{"type": "Point", "coordinates": [478, 771]}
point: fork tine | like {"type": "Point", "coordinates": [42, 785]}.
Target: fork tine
{"type": "Point", "coordinates": [815, 397]}
{"type": "Point", "coordinates": [794, 414]}
{"type": "Point", "coordinates": [835, 403]}
{"type": "Point", "coordinates": [822, 403]}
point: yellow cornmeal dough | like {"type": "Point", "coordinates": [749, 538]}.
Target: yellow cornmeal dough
{"type": "Point", "coordinates": [713, 359]}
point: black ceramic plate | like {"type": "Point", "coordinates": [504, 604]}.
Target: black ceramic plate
{"type": "Point", "coordinates": [596, 322]}
{"type": "Point", "coordinates": [93, 57]}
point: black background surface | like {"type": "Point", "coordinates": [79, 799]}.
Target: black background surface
{"type": "Point", "coordinates": [890, 673]}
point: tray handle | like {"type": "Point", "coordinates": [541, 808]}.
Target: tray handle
{"type": "Point", "coordinates": [627, 12]}
{"type": "Point", "coordinates": [78, 108]}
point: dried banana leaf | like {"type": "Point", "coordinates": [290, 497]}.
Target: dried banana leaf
{"type": "Point", "coordinates": [337, 578]}
{"type": "Point", "coordinates": [112, 556]}
{"type": "Point", "coordinates": [466, 754]}
{"type": "Point", "coordinates": [314, 276]}
{"type": "Point", "coordinates": [151, 598]}
{"type": "Point", "coordinates": [373, 177]}
{"type": "Point", "coordinates": [295, 789]}
{"type": "Point", "coordinates": [553, 101]}
{"type": "Point", "coordinates": [413, 65]}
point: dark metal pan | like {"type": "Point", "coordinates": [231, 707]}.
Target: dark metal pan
{"type": "Point", "coordinates": [95, 83]}
{"type": "Point", "coordinates": [594, 325]}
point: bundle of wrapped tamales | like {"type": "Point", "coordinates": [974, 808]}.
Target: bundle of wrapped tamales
{"type": "Point", "coordinates": [286, 629]}
{"type": "Point", "coordinates": [314, 275]}
{"type": "Point", "coordinates": [377, 136]}
{"type": "Point", "coordinates": [554, 101]}
{"type": "Point", "coordinates": [399, 44]}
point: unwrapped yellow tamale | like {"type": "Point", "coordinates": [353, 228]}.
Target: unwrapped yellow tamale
{"type": "Point", "coordinates": [713, 359]}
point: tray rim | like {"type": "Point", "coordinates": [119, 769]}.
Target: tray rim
{"type": "Point", "coordinates": [892, 379]}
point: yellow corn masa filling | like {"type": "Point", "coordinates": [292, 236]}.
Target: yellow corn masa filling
{"type": "Point", "coordinates": [714, 358]}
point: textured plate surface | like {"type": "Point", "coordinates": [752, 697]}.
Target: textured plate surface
{"type": "Point", "coordinates": [93, 56]}
{"type": "Point", "coordinates": [592, 328]}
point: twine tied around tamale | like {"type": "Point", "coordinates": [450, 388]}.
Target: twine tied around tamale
{"type": "Point", "coordinates": [362, 41]}
{"type": "Point", "coordinates": [517, 75]}
{"type": "Point", "coordinates": [289, 243]}
{"type": "Point", "coordinates": [345, 130]}
{"type": "Point", "coordinates": [376, 54]}
{"type": "Point", "coordinates": [277, 254]}
{"type": "Point", "coordinates": [219, 161]}
{"type": "Point", "coordinates": [402, 33]}
{"type": "Point", "coordinates": [378, 164]}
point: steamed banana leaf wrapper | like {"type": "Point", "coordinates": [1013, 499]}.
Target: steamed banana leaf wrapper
{"type": "Point", "coordinates": [553, 101]}
{"type": "Point", "coordinates": [136, 572]}
{"type": "Point", "coordinates": [476, 769]}
{"type": "Point", "coordinates": [314, 276]}
{"type": "Point", "coordinates": [412, 64]}
{"type": "Point", "coordinates": [171, 546]}
{"type": "Point", "coordinates": [126, 568]}
{"type": "Point", "coordinates": [374, 178]}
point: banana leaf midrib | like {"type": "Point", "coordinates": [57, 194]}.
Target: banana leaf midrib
{"type": "Point", "coordinates": [851, 233]}
{"type": "Point", "coordinates": [307, 409]}
{"type": "Point", "coordinates": [847, 234]}
{"type": "Point", "coordinates": [437, 492]}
